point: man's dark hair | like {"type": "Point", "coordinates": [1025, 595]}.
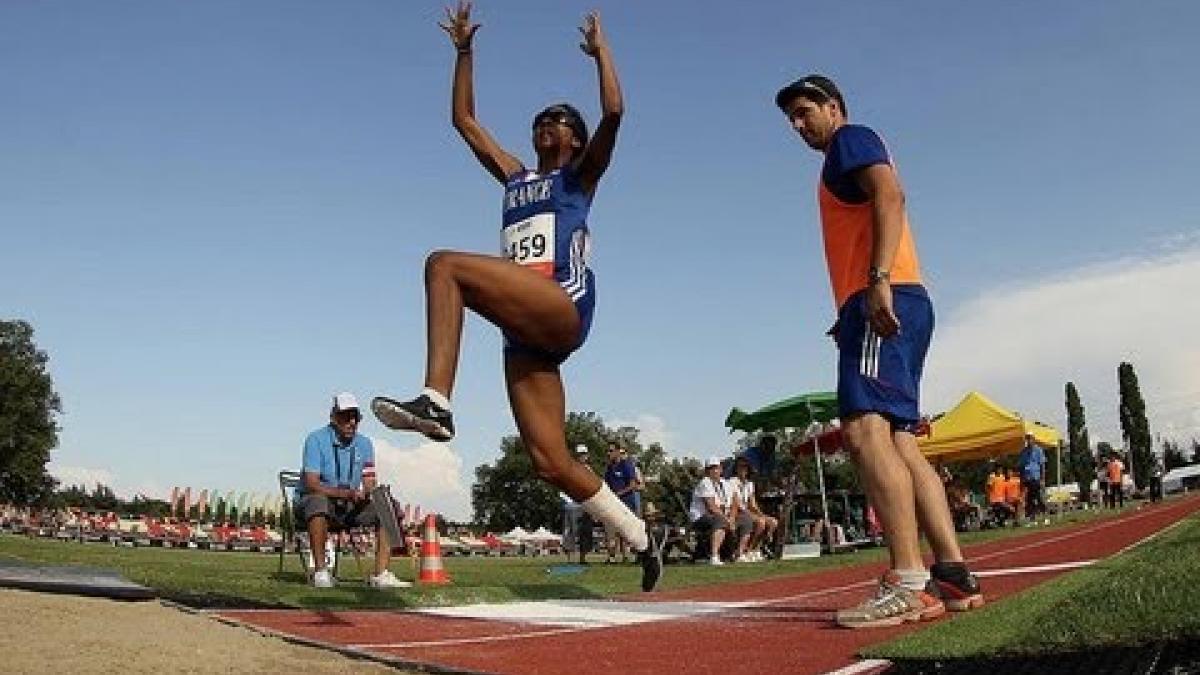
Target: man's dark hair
{"type": "Point", "coordinates": [816, 88]}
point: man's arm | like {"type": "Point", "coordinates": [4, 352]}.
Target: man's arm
{"type": "Point", "coordinates": [887, 207]}
{"type": "Point", "coordinates": [495, 159]}
{"type": "Point", "coordinates": [311, 472]}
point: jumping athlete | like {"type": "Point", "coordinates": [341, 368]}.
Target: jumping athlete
{"type": "Point", "coordinates": [540, 293]}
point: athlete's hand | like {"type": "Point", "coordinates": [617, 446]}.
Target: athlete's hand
{"type": "Point", "coordinates": [880, 313]}
{"type": "Point", "coordinates": [593, 37]}
{"type": "Point", "coordinates": [459, 27]}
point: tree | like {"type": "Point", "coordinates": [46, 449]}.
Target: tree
{"type": "Point", "coordinates": [28, 428]}
{"type": "Point", "coordinates": [1134, 425]}
{"type": "Point", "coordinates": [1172, 455]}
{"type": "Point", "coordinates": [1080, 462]}
{"type": "Point", "coordinates": [509, 493]}
{"type": "Point", "coordinates": [1195, 451]}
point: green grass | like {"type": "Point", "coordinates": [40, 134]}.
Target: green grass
{"type": "Point", "coordinates": [1148, 594]}
{"type": "Point", "coordinates": [211, 578]}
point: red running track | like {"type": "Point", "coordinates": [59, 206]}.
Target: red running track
{"type": "Point", "coordinates": [781, 624]}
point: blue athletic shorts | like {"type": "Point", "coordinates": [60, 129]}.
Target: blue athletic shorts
{"type": "Point", "coordinates": [884, 376]}
{"type": "Point", "coordinates": [584, 298]}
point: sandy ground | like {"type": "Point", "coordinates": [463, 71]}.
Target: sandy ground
{"type": "Point", "coordinates": [45, 633]}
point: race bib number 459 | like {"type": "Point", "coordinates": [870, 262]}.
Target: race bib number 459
{"type": "Point", "coordinates": [530, 243]}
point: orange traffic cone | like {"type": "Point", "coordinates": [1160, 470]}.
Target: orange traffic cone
{"type": "Point", "coordinates": [432, 571]}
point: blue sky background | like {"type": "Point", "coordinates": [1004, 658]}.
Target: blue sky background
{"type": "Point", "coordinates": [215, 213]}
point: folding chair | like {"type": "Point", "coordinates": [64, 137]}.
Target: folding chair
{"type": "Point", "coordinates": [292, 525]}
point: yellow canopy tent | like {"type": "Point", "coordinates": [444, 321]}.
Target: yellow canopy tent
{"type": "Point", "coordinates": [978, 428]}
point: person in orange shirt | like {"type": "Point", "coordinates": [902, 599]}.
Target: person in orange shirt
{"type": "Point", "coordinates": [1116, 492]}
{"type": "Point", "coordinates": [884, 327]}
{"type": "Point", "coordinates": [1014, 494]}
{"type": "Point", "coordinates": [1001, 510]}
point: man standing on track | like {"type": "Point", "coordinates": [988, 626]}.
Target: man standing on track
{"type": "Point", "coordinates": [885, 322]}
{"type": "Point", "coordinates": [1033, 476]}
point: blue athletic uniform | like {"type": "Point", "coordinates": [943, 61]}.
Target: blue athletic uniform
{"type": "Point", "coordinates": [545, 229]}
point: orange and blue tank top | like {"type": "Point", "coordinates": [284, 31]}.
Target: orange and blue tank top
{"type": "Point", "coordinates": [846, 215]}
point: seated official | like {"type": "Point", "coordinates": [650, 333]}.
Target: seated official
{"type": "Point", "coordinates": [1014, 494]}
{"type": "Point", "coordinates": [1001, 511]}
{"type": "Point", "coordinates": [337, 479]}
{"type": "Point", "coordinates": [710, 508]}
{"type": "Point", "coordinates": [754, 528]}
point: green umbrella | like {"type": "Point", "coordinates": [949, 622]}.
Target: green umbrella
{"type": "Point", "coordinates": [796, 412]}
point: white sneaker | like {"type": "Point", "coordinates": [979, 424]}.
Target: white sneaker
{"type": "Point", "coordinates": [386, 579]}
{"type": "Point", "coordinates": [715, 561]}
{"type": "Point", "coordinates": [323, 579]}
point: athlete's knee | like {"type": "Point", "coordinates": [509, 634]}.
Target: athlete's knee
{"type": "Point", "coordinates": [438, 263]}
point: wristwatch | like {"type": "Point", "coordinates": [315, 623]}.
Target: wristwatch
{"type": "Point", "coordinates": [876, 275]}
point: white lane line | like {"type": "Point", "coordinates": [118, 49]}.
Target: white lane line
{"type": "Point", "coordinates": [1034, 569]}
{"type": "Point", "coordinates": [864, 666]}
{"type": "Point", "coordinates": [466, 641]}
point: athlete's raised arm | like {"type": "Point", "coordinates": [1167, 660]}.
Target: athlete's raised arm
{"type": "Point", "coordinates": [498, 162]}
{"type": "Point", "coordinates": [599, 150]}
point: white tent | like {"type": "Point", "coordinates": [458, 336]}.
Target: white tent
{"type": "Point", "coordinates": [542, 534]}
{"type": "Point", "coordinates": [516, 534]}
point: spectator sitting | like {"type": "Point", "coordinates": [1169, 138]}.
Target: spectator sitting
{"type": "Point", "coordinates": [710, 508]}
{"type": "Point", "coordinates": [997, 502]}
{"type": "Point", "coordinates": [1014, 494]}
{"type": "Point", "coordinates": [758, 526]}
{"type": "Point", "coordinates": [338, 475]}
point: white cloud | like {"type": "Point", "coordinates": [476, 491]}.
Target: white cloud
{"type": "Point", "coordinates": [86, 476]}
{"type": "Point", "coordinates": [1020, 345]}
{"type": "Point", "coordinates": [89, 477]}
{"type": "Point", "coordinates": [651, 429]}
{"type": "Point", "coordinates": [429, 475]}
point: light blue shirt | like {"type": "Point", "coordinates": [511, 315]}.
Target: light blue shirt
{"type": "Point", "coordinates": [338, 465]}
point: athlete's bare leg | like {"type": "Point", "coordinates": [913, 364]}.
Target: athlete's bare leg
{"type": "Point", "coordinates": [535, 391]}
{"type": "Point", "coordinates": [521, 302]}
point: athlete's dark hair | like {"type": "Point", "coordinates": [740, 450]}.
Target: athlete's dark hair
{"type": "Point", "coordinates": [574, 121]}
{"type": "Point", "coordinates": [816, 88]}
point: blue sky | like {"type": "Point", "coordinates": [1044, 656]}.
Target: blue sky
{"type": "Point", "coordinates": [215, 213]}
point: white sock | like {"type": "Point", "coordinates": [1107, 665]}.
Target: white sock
{"type": "Point", "coordinates": [605, 507]}
{"type": "Point", "coordinates": [437, 397]}
{"type": "Point", "coordinates": [913, 580]}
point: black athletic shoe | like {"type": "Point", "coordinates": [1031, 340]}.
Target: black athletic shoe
{"type": "Point", "coordinates": [419, 414]}
{"type": "Point", "coordinates": [957, 588]}
{"type": "Point", "coordinates": [652, 564]}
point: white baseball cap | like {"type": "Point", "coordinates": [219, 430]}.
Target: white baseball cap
{"type": "Point", "coordinates": [712, 461]}
{"type": "Point", "coordinates": [345, 401]}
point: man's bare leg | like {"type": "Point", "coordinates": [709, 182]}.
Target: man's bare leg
{"type": "Point", "coordinates": [888, 484]}
{"type": "Point", "coordinates": [933, 511]}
